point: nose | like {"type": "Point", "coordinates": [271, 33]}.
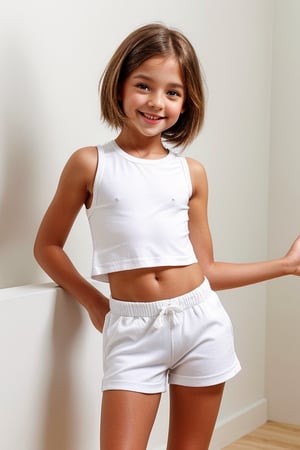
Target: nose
{"type": "Point", "coordinates": [155, 100]}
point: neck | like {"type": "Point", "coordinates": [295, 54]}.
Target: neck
{"type": "Point", "coordinates": [142, 148]}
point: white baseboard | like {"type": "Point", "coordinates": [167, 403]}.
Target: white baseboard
{"type": "Point", "coordinates": [241, 423]}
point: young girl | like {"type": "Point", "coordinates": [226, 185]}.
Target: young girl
{"type": "Point", "coordinates": [147, 209]}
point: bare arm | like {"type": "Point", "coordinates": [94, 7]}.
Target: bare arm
{"type": "Point", "coordinates": [74, 190]}
{"type": "Point", "coordinates": [224, 275]}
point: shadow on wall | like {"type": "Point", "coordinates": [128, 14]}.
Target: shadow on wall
{"type": "Point", "coordinates": [61, 420]}
{"type": "Point", "coordinates": [22, 140]}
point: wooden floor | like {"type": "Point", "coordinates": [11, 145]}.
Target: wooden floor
{"type": "Point", "coordinates": [271, 436]}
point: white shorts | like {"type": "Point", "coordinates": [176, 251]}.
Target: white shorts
{"type": "Point", "coordinates": [187, 340]}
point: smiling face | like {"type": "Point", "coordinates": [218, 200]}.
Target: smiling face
{"type": "Point", "coordinates": [153, 96]}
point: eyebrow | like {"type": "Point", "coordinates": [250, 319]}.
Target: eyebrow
{"type": "Point", "coordinates": [147, 78]}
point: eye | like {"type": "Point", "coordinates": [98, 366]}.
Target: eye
{"type": "Point", "coordinates": [143, 87]}
{"type": "Point", "coordinates": [174, 93]}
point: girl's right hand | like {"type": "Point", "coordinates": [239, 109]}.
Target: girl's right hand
{"type": "Point", "coordinates": [98, 313]}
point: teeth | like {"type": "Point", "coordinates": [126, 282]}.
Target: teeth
{"type": "Point", "coordinates": [148, 116]}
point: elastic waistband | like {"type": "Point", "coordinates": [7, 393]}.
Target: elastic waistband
{"type": "Point", "coordinates": [147, 309]}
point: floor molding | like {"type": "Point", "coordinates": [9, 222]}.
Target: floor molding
{"type": "Point", "coordinates": [239, 424]}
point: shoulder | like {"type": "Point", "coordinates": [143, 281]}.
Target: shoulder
{"type": "Point", "coordinates": [84, 157]}
{"type": "Point", "coordinates": [82, 162]}
{"type": "Point", "coordinates": [79, 172]}
{"type": "Point", "coordinates": [198, 174]}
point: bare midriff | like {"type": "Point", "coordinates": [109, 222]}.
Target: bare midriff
{"type": "Point", "coordinates": [155, 283]}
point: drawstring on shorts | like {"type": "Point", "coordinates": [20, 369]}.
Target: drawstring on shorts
{"type": "Point", "coordinates": [167, 311]}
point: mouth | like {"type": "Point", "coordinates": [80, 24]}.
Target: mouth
{"type": "Point", "coordinates": [151, 117]}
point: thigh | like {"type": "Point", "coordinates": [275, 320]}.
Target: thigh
{"type": "Point", "coordinates": [127, 418]}
{"type": "Point", "coordinates": [206, 355]}
{"type": "Point", "coordinates": [193, 414]}
{"type": "Point", "coordinates": [135, 353]}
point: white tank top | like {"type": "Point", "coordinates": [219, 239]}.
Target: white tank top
{"type": "Point", "coordinates": [139, 213]}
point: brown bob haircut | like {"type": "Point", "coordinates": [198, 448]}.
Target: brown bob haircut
{"type": "Point", "coordinates": [144, 43]}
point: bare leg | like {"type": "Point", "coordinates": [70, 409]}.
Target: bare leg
{"type": "Point", "coordinates": [193, 414]}
{"type": "Point", "coordinates": [127, 419]}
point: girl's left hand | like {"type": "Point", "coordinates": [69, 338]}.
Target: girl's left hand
{"type": "Point", "coordinates": [293, 258]}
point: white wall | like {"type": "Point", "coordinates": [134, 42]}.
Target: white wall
{"type": "Point", "coordinates": [53, 54]}
{"type": "Point", "coordinates": [50, 372]}
{"type": "Point", "coordinates": [283, 329]}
